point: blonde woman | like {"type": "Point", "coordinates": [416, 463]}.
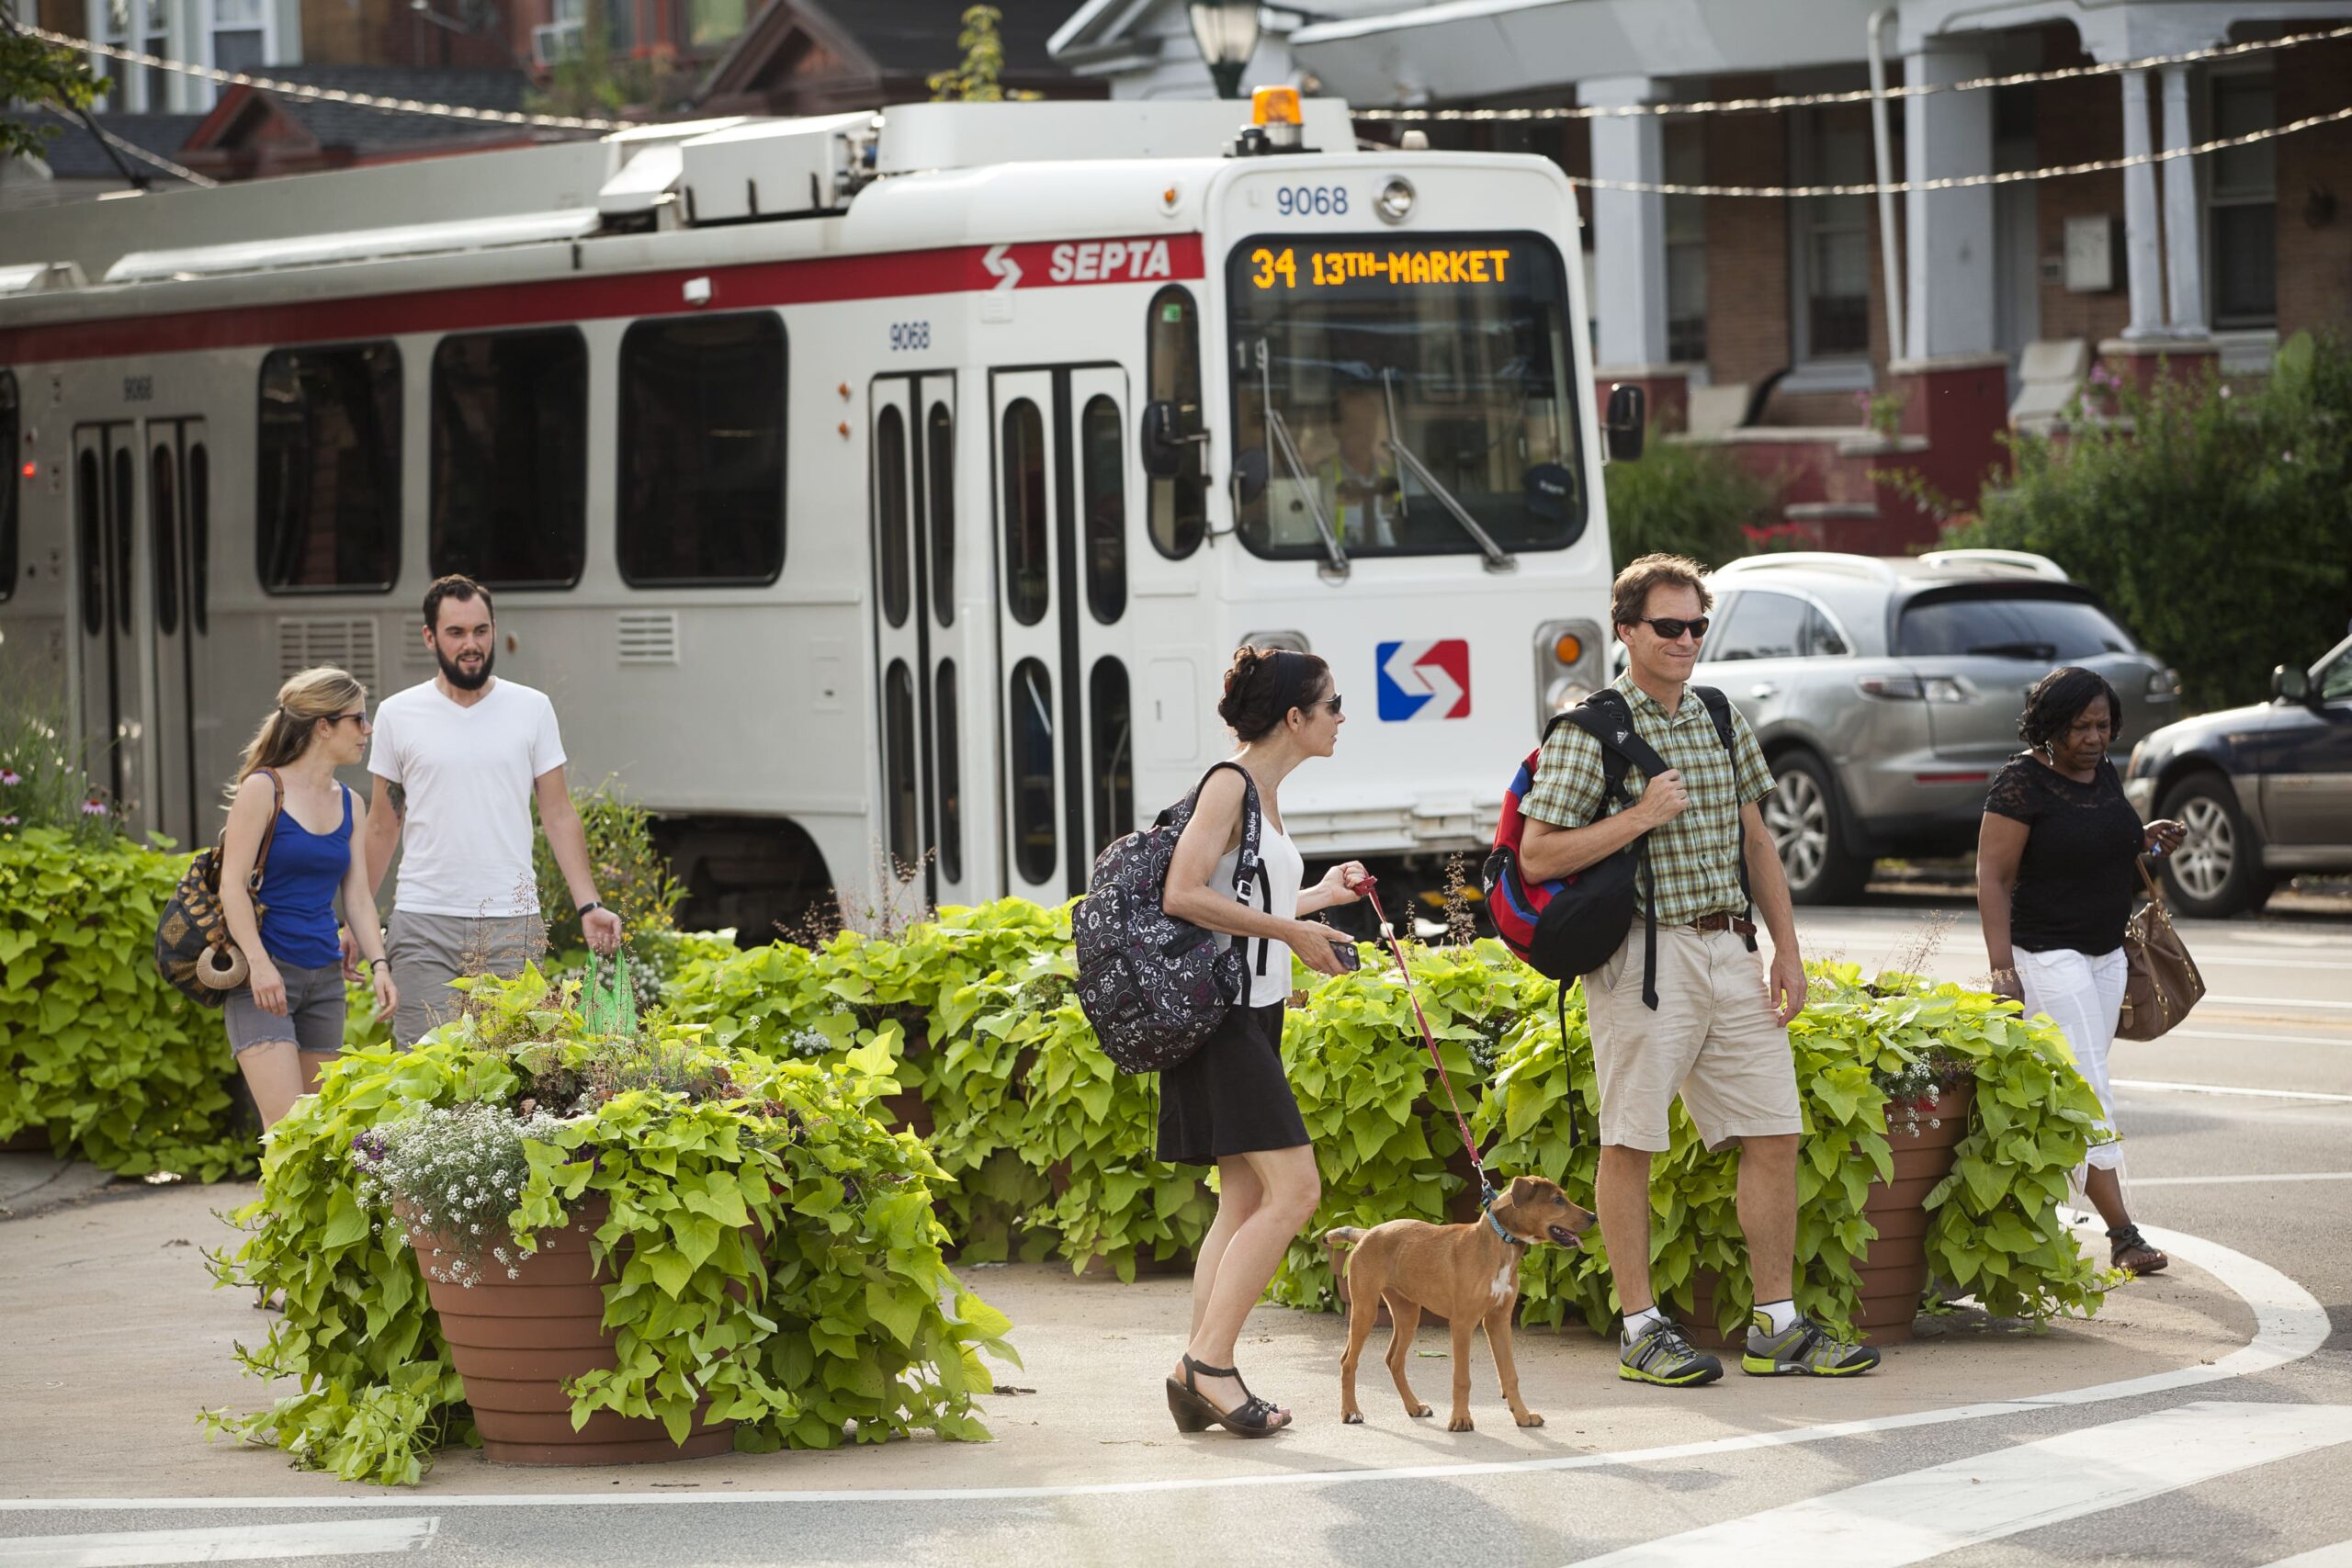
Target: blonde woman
{"type": "Point", "coordinates": [287, 1020]}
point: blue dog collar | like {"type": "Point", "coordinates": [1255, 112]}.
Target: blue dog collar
{"type": "Point", "coordinates": [1514, 1240]}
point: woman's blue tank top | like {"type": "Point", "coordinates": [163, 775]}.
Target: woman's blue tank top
{"type": "Point", "coordinates": [298, 890]}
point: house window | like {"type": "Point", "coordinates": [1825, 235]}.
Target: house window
{"type": "Point", "coordinates": [1831, 238]}
{"type": "Point", "coordinates": [239, 32]}
{"type": "Point", "coordinates": [1686, 245]}
{"type": "Point", "coordinates": [711, 24]}
{"type": "Point", "coordinates": [2242, 193]}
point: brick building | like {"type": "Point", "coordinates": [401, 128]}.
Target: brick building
{"type": "Point", "coordinates": [1762, 323]}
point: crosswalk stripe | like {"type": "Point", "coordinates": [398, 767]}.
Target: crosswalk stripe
{"type": "Point", "coordinates": [224, 1543]}
{"type": "Point", "coordinates": [2262, 1181]}
{"type": "Point", "coordinates": [2337, 1556]}
{"type": "Point", "coordinates": [2164, 1085]}
{"type": "Point", "coordinates": [1925, 1513]}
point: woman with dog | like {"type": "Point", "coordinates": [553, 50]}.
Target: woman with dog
{"type": "Point", "coordinates": [2055, 877]}
{"type": "Point", "coordinates": [290, 814]}
{"type": "Point", "coordinates": [1228, 1104]}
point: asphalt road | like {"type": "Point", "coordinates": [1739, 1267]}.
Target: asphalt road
{"type": "Point", "coordinates": [2239, 1129]}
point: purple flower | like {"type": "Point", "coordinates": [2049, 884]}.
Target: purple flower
{"type": "Point", "coordinates": [370, 1147]}
{"type": "Point", "coordinates": [94, 808]}
{"type": "Point", "coordinates": [10, 776]}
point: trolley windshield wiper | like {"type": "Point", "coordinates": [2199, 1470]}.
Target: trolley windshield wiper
{"type": "Point", "coordinates": [1335, 553]}
{"type": "Point", "coordinates": [1497, 558]}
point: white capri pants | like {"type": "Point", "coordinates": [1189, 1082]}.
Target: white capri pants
{"type": "Point", "coordinates": [2083, 996]}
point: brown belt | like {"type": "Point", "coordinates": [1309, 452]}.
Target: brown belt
{"type": "Point", "coordinates": [1725, 923]}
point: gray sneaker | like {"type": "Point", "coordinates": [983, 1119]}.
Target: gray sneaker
{"type": "Point", "coordinates": [1806, 1348]}
{"type": "Point", "coordinates": [1663, 1357]}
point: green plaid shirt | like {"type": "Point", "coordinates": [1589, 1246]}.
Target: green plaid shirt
{"type": "Point", "coordinates": [1694, 858]}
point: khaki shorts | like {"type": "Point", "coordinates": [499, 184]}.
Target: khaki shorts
{"type": "Point", "coordinates": [427, 952]}
{"type": "Point", "coordinates": [1713, 1039]}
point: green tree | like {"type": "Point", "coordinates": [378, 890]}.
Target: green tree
{"type": "Point", "coordinates": [1686, 499]}
{"type": "Point", "coordinates": [2215, 520]}
{"type": "Point", "coordinates": [976, 81]}
{"type": "Point", "coordinates": [34, 74]}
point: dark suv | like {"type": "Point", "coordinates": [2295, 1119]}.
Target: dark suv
{"type": "Point", "coordinates": [1885, 693]}
{"type": "Point", "coordinates": [2265, 790]}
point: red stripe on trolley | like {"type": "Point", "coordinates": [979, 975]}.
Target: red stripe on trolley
{"type": "Point", "coordinates": [572, 297]}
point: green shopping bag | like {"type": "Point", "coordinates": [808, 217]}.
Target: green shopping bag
{"type": "Point", "coordinates": [609, 1002]}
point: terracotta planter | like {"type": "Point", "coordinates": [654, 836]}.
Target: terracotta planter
{"type": "Point", "coordinates": [516, 1342]}
{"type": "Point", "coordinates": [1893, 1268]}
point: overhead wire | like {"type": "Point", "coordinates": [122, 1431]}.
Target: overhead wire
{"type": "Point", "coordinates": [120, 144]}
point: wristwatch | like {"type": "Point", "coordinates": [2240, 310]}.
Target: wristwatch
{"type": "Point", "coordinates": [592, 904]}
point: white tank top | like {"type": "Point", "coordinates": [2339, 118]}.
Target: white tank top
{"type": "Point", "coordinates": [1279, 858]}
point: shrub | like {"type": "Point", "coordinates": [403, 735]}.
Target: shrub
{"type": "Point", "coordinates": [2216, 522]}
{"type": "Point", "coordinates": [633, 877]}
{"type": "Point", "coordinates": [43, 781]}
{"type": "Point", "coordinates": [840, 1317]}
{"type": "Point", "coordinates": [1685, 498]}
{"type": "Point", "coordinates": [95, 1050]}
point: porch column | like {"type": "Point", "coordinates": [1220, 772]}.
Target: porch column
{"type": "Point", "coordinates": [2184, 261]}
{"type": "Point", "coordinates": [1628, 228]}
{"type": "Point", "coordinates": [2142, 246]}
{"type": "Point", "coordinates": [1948, 246]}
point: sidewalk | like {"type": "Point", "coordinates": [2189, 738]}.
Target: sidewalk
{"type": "Point", "coordinates": [115, 1340]}
{"type": "Point", "coordinates": [31, 1183]}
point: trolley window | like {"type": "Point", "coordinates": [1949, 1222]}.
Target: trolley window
{"type": "Point", "coordinates": [894, 550]}
{"type": "Point", "coordinates": [1026, 553]}
{"type": "Point", "coordinates": [200, 538]}
{"type": "Point", "coordinates": [1179, 505]}
{"type": "Point", "coordinates": [701, 439]}
{"type": "Point", "coordinates": [940, 491]}
{"type": "Point", "coordinates": [327, 486]}
{"type": "Point", "coordinates": [165, 561]}
{"type": "Point", "coordinates": [122, 540]}
{"type": "Point", "coordinates": [1029, 711]}
{"type": "Point", "coordinates": [899, 764]}
{"type": "Point", "coordinates": [946, 757]}
{"type": "Point", "coordinates": [1395, 387]}
{"type": "Point", "coordinates": [1103, 495]}
{"type": "Point", "coordinates": [10, 454]}
{"type": "Point", "coordinates": [1111, 719]}
{"type": "Point", "coordinates": [509, 496]}
{"type": "Point", "coordinates": [87, 527]}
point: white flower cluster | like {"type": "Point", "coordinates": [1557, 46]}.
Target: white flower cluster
{"type": "Point", "coordinates": [806, 1043]}
{"type": "Point", "coordinates": [452, 1174]}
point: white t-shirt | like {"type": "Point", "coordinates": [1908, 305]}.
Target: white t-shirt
{"type": "Point", "coordinates": [1284, 871]}
{"type": "Point", "coordinates": [467, 774]}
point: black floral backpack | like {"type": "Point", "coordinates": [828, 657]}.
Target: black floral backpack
{"type": "Point", "coordinates": [1153, 986]}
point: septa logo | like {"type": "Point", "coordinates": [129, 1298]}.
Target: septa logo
{"type": "Point", "coordinates": [1424, 681]}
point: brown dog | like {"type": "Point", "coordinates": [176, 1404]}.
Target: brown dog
{"type": "Point", "coordinates": [1469, 1273]}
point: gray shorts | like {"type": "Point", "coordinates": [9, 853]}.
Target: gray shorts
{"type": "Point", "coordinates": [429, 951]}
{"type": "Point", "coordinates": [315, 1007]}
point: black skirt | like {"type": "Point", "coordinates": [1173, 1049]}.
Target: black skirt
{"type": "Point", "coordinates": [1230, 1097]}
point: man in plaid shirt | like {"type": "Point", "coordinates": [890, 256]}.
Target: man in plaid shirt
{"type": "Point", "coordinates": [1718, 1036]}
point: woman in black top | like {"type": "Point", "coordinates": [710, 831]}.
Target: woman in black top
{"type": "Point", "coordinates": [2055, 876]}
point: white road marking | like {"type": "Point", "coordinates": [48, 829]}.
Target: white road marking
{"type": "Point", "coordinates": [2277, 1003]}
{"type": "Point", "coordinates": [2270, 1039]}
{"type": "Point", "coordinates": [2205, 960]}
{"type": "Point", "coordinates": [2165, 1086]}
{"type": "Point", "coordinates": [226, 1543]}
{"type": "Point", "coordinates": [2290, 1324]}
{"type": "Point", "coordinates": [2138, 1181]}
{"type": "Point", "coordinates": [2337, 1556]}
{"type": "Point", "coordinates": [1925, 1513]}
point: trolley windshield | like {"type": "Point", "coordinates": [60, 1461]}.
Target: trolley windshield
{"type": "Point", "coordinates": [1403, 397]}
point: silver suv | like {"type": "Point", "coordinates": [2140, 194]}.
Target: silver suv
{"type": "Point", "coordinates": [1885, 693]}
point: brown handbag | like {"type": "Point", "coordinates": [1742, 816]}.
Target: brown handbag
{"type": "Point", "coordinates": [2163, 983]}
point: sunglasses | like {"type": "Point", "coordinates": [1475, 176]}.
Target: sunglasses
{"type": "Point", "coordinates": [1671, 629]}
{"type": "Point", "coordinates": [358, 719]}
{"type": "Point", "coordinates": [1330, 705]}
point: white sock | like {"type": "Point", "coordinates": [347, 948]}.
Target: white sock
{"type": "Point", "coordinates": [1638, 1323]}
{"type": "Point", "coordinates": [1782, 1313]}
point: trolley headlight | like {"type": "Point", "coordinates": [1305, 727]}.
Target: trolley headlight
{"type": "Point", "coordinates": [1394, 202]}
{"type": "Point", "coordinates": [1568, 666]}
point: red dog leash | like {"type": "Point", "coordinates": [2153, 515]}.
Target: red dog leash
{"type": "Point", "coordinates": [1367, 887]}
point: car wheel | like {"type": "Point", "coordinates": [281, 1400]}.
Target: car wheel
{"type": "Point", "coordinates": [1802, 815]}
{"type": "Point", "coordinates": [2217, 871]}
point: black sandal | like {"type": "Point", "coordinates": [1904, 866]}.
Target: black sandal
{"type": "Point", "coordinates": [2129, 1243]}
{"type": "Point", "coordinates": [1254, 1417]}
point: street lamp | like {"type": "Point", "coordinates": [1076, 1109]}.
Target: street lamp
{"type": "Point", "coordinates": [1226, 31]}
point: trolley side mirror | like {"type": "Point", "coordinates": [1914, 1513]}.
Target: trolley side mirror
{"type": "Point", "coordinates": [1250, 474]}
{"type": "Point", "coordinates": [1628, 421]}
{"type": "Point", "coordinates": [1169, 430]}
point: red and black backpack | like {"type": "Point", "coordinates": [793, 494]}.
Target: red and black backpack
{"type": "Point", "coordinates": [1575, 924]}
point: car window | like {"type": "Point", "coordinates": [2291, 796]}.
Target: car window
{"type": "Point", "coordinates": [2335, 681]}
{"type": "Point", "coordinates": [1821, 638]}
{"type": "Point", "coordinates": [2022, 627]}
{"type": "Point", "coordinates": [1762, 626]}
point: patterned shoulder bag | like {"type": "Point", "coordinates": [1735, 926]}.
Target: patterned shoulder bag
{"type": "Point", "coordinates": [193, 948]}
